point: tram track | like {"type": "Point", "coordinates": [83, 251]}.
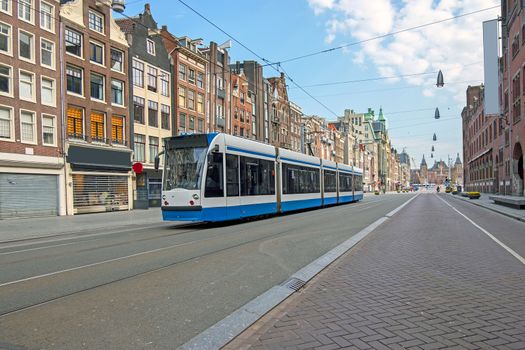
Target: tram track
{"type": "Point", "coordinates": [291, 220]}
{"type": "Point", "coordinates": [49, 300]}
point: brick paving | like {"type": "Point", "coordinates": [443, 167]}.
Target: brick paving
{"type": "Point", "coordinates": [426, 279]}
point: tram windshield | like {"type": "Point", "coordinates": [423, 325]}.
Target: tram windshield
{"type": "Point", "coordinates": [183, 166]}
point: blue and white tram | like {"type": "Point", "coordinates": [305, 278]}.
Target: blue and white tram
{"type": "Point", "coordinates": [219, 177]}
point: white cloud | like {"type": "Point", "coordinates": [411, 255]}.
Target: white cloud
{"type": "Point", "coordinates": [320, 6]}
{"type": "Point", "coordinates": [451, 46]}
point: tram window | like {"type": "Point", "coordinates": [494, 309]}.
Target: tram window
{"type": "Point", "coordinates": [257, 176]}
{"type": "Point", "coordinates": [232, 175]}
{"type": "Point", "coordinates": [300, 179]}
{"type": "Point", "coordinates": [214, 176]}
{"type": "Point", "coordinates": [358, 183]}
{"type": "Point", "coordinates": [330, 181]}
{"type": "Point", "coordinates": [345, 183]}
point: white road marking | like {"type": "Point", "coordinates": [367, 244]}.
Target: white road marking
{"type": "Point", "coordinates": [516, 255]}
{"type": "Point", "coordinates": [389, 215]}
{"type": "Point", "coordinates": [101, 262]}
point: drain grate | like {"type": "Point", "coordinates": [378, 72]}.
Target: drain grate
{"type": "Point", "coordinates": [293, 283]}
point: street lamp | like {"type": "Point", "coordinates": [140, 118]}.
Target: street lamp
{"type": "Point", "coordinates": [440, 82]}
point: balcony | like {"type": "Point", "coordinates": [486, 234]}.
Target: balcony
{"type": "Point", "coordinates": [221, 93]}
{"type": "Point", "coordinates": [78, 137]}
{"type": "Point", "coordinates": [220, 121]}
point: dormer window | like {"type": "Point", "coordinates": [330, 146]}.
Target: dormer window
{"type": "Point", "coordinates": [96, 22]}
{"type": "Point", "coordinates": [150, 47]}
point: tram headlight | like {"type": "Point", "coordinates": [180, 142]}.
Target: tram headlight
{"type": "Point", "coordinates": [195, 196]}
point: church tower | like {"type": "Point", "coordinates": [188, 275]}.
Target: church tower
{"type": "Point", "coordinates": [423, 171]}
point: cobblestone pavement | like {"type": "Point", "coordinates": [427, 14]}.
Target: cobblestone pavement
{"type": "Point", "coordinates": [426, 279]}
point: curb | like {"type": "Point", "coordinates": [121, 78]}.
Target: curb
{"type": "Point", "coordinates": [224, 331]}
{"type": "Point", "coordinates": [516, 217]}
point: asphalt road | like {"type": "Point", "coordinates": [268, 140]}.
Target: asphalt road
{"type": "Point", "coordinates": [158, 287]}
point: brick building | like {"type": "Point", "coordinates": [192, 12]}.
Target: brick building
{"type": "Point", "coordinates": [280, 113]}
{"type": "Point", "coordinates": [32, 178]}
{"type": "Point", "coordinates": [481, 146]}
{"type": "Point", "coordinates": [243, 119]}
{"type": "Point", "coordinates": [509, 166]}
{"type": "Point", "coordinates": [150, 91]}
{"type": "Point", "coordinates": [218, 90]}
{"type": "Point", "coordinates": [95, 104]}
{"type": "Point", "coordinates": [190, 81]}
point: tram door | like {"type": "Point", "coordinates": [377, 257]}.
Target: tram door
{"type": "Point", "coordinates": [233, 199]}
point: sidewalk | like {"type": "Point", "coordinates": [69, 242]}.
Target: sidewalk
{"type": "Point", "coordinates": [485, 202]}
{"type": "Point", "coordinates": [21, 229]}
{"type": "Point", "coordinates": [418, 281]}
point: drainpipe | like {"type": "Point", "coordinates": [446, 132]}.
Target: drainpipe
{"type": "Point", "coordinates": [63, 111]}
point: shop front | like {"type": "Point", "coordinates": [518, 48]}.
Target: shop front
{"type": "Point", "coordinates": [148, 189]}
{"type": "Point", "coordinates": [99, 180]}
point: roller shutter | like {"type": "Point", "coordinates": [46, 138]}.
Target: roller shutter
{"type": "Point", "coordinates": [99, 193]}
{"type": "Point", "coordinates": [28, 195]}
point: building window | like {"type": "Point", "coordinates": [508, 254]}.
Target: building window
{"type": "Point", "coordinates": [96, 21]}
{"type": "Point", "coordinates": [138, 73]}
{"type": "Point", "coordinates": [191, 126]}
{"type": "Point", "coordinates": [138, 109]}
{"type": "Point", "coordinates": [46, 16]}
{"type": "Point", "coordinates": [6, 122]}
{"type": "Point", "coordinates": [200, 80]}
{"type": "Point", "coordinates": [5, 80]}
{"type": "Point", "coordinates": [47, 53]}
{"type": "Point", "coordinates": [200, 125]}
{"type": "Point", "coordinates": [5, 38]}
{"type": "Point", "coordinates": [153, 147]}
{"type": "Point", "coordinates": [24, 10]}
{"type": "Point", "coordinates": [165, 84]}
{"type": "Point", "coordinates": [26, 86]}
{"type": "Point", "coordinates": [117, 60]}
{"type": "Point", "coordinates": [150, 46]}
{"type": "Point", "coordinates": [200, 103]}
{"type": "Point", "coordinates": [117, 129]}
{"type": "Point", "coordinates": [97, 126]}
{"type": "Point", "coordinates": [74, 80]}
{"type": "Point", "coordinates": [48, 130]}
{"type": "Point", "coordinates": [97, 86]}
{"type": "Point", "coordinates": [73, 42]}
{"type": "Point", "coordinates": [182, 72]}
{"type": "Point", "coordinates": [75, 123]}
{"type": "Point", "coordinates": [4, 6]}
{"type": "Point", "coordinates": [152, 79]}
{"type": "Point", "coordinates": [27, 127]}
{"type": "Point", "coordinates": [191, 76]}
{"type": "Point", "coordinates": [182, 122]}
{"type": "Point", "coordinates": [153, 114]}
{"type": "Point", "coordinates": [47, 94]}
{"type": "Point", "coordinates": [26, 46]}
{"type": "Point", "coordinates": [165, 116]}
{"type": "Point", "coordinates": [140, 147]}
{"type": "Point", "coordinates": [96, 53]}
{"type": "Point", "coordinates": [182, 97]}
{"type": "Point", "coordinates": [191, 99]}
{"type": "Point", "coordinates": [117, 92]}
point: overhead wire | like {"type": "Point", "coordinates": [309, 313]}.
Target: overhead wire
{"type": "Point", "coordinates": [277, 67]}
{"type": "Point", "coordinates": [340, 47]}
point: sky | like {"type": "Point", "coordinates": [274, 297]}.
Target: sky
{"type": "Point", "coordinates": [406, 63]}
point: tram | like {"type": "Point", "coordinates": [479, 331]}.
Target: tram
{"type": "Point", "coordinates": [218, 177]}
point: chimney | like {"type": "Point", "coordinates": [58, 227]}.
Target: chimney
{"type": "Point", "coordinates": [165, 28]}
{"type": "Point", "coordinates": [147, 8]}
{"type": "Point", "coordinates": [282, 75]}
